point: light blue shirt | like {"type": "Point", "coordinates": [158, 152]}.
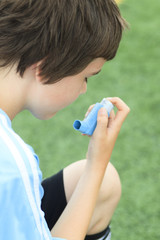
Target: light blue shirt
{"type": "Point", "coordinates": [21, 217]}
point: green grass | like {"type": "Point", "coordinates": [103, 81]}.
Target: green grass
{"type": "Point", "coordinates": [134, 76]}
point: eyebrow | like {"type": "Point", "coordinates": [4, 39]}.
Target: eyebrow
{"type": "Point", "coordinates": [96, 73]}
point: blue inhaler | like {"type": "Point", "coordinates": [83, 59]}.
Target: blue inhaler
{"type": "Point", "coordinates": [88, 125]}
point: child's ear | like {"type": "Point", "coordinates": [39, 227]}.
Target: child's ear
{"type": "Point", "coordinates": [36, 67]}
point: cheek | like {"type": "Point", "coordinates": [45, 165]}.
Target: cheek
{"type": "Point", "coordinates": [71, 92]}
{"type": "Point", "coordinates": [61, 95]}
{"type": "Point", "coordinates": [68, 98]}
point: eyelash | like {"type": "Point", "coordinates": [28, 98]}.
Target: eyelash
{"type": "Point", "coordinates": [86, 80]}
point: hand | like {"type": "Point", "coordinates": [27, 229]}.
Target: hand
{"type": "Point", "coordinates": [104, 137]}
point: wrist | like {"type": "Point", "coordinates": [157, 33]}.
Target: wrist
{"type": "Point", "coordinates": [96, 169]}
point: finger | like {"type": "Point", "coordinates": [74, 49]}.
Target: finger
{"type": "Point", "coordinates": [89, 110]}
{"type": "Point", "coordinates": [111, 118]}
{"type": "Point", "coordinates": [123, 110]}
{"type": "Point", "coordinates": [102, 121]}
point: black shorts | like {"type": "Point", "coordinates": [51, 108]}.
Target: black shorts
{"type": "Point", "coordinates": [54, 202]}
{"type": "Point", "coordinates": [54, 199]}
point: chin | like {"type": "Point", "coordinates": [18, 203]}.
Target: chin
{"type": "Point", "coordinates": [43, 116]}
{"type": "Point", "coordinates": [47, 117]}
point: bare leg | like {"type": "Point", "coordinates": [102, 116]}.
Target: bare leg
{"type": "Point", "coordinates": [109, 195]}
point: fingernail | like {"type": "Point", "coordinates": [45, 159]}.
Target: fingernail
{"type": "Point", "coordinates": [103, 111]}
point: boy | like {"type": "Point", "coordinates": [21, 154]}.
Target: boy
{"type": "Point", "coordinates": [48, 49]}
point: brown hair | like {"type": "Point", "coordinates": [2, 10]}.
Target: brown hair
{"type": "Point", "coordinates": [66, 34]}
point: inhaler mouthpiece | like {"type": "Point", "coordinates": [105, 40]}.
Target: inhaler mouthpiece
{"type": "Point", "coordinates": [88, 125]}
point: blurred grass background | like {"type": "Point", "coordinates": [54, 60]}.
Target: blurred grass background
{"type": "Point", "coordinates": [134, 75]}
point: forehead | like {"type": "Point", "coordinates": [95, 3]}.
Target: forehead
{"type": "Point", "coordinates": [96, 65]}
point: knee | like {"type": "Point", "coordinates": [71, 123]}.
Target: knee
{"type": "Point", "coordinates": [111, 186]}
{"type": "Point", "coordinates": [108, 199]}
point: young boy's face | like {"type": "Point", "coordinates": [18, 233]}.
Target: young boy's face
{"type": "Point", "coordinates": [47, 100]}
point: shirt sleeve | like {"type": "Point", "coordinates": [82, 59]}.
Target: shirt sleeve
{"type": "Point", "coordinates": [16, 218]}
{"type": "Point", "coordinates": [21, 216]}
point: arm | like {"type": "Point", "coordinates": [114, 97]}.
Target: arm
{"type": "Point", "coordinates": [74, 221]}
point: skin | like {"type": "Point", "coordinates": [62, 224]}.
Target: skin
{"type": "Point", "coordinates": [87, 196]}
{"type": "Point", "coordinates": [108, 196]}
{"type": "Point", "coordinates": [44, 101]}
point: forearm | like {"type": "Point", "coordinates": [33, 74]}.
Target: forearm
{"type": "Point", "coordinates": [74, 222]}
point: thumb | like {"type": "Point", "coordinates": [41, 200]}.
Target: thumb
{"type": "Point", "coordinates": [102, 119]}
